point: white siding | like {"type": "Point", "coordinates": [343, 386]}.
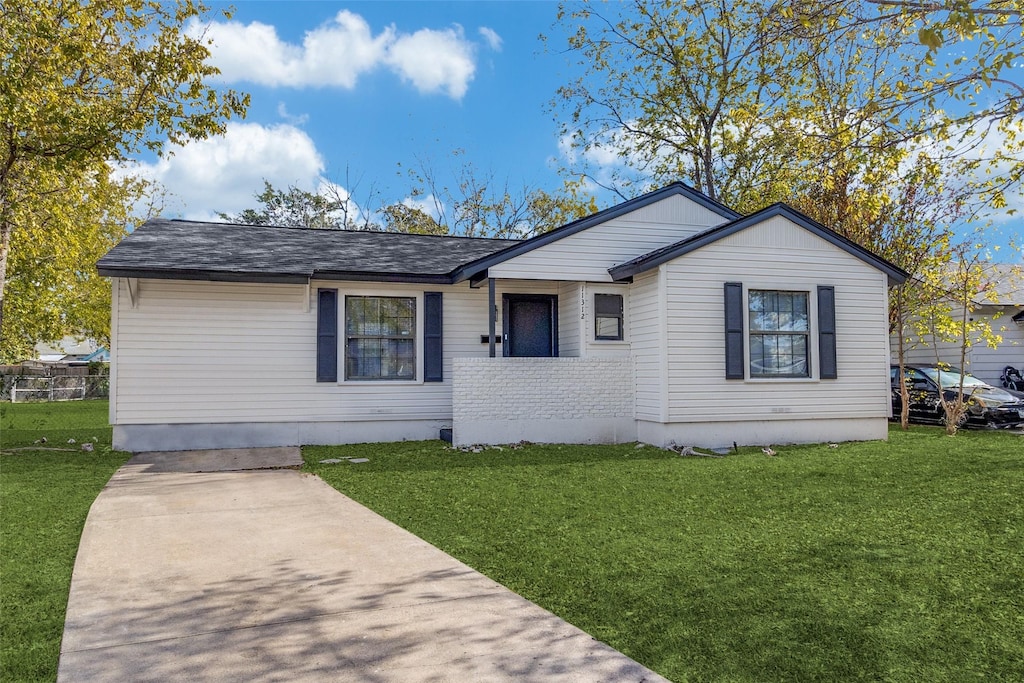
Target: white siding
{"type": "Point", "coordinates": [587, 255]}
{"type": "Point", "coordinates": [987, 363]}
{"type": "Point", "coordinates": [982, 361]}
{"type": "Point", "coordinates": [569, 330]}
{"type": "Point", "coordinates": [215, 352]}
{"type": "Point", "coordinates": [774, 255]}
{"type": "Point", "coordinates": [646, 315]}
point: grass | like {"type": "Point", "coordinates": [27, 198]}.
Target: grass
{"type": "Point", "coordinates": [44, 499]}
{"type": "Point", "coordinates": [898, 561]}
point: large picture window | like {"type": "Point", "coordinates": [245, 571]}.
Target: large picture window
{"type": "Point", "coordinates": [778, 329]}
{"type": "Point", "coordinates": [380, 338]}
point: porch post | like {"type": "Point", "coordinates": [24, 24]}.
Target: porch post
{"type": "Point", "coordinates": [491, 313]}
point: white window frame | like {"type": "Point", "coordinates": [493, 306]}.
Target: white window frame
{"type": "Point", "coordinates": [590, 316]}
{"type": "Point", "coordinates": [812, 332]}
{"type": "Point", "coordinates": [344, 295]}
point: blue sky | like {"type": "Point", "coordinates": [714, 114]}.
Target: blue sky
{"type": "Point", "coordinates": [356, 92]}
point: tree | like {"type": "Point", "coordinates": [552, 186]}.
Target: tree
{"type": "Point", "coordinates": [52, 286]}
{"type": "Point", "coordinates": [480, 205]}
{"type": "Point", "coordinates": [956, 292]}
{"type": "Point", "coordinates": [755, 102]}
{"type": "Point", "coordinates": [403, 218]}
{"type": "Point", "coordinates": [685, 91]}
{"type": "Point", "coordinates": [293, 208]}
{"type": "Point", "coordinates": [955, 57]}
{"type": "Point", "coordinates": [84, 85]}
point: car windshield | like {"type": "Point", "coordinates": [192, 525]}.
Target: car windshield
{"type": "Point", "coordinates": [951, 379]}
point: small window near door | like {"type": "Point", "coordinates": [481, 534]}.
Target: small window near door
{"type": "Point", "coordinates": [608, 316]}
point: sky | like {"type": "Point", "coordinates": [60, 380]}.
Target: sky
{"type": "Point", "coordinates": [358, 93]}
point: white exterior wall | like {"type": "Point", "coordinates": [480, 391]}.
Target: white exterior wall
{"type": "Point", "coordinates": [211, 364]}
{"type": "Point", "coordinates": [244, 354]}
{"type": "Point", "coordinates": [647, 334]}
{"type": "Point", "coordinates": [570, 332]}
{"type": "Point", "coordinates": [587, 255]}
{"type": "Point", "coordinates": [775, 255]}
{"type": "Point", "coordinates": [545, 400]}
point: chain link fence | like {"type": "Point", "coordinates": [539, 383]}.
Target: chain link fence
{"type": "Point", "coordinates": [62, 388]}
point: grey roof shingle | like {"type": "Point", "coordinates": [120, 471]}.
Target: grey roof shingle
{"type": "Point", "coordinates": [228, 251]}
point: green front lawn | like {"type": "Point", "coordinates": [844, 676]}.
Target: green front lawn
{"type": "Point", "coordinates": [898, 561]}
{"type": "Point", "coordinates": [45, 496]}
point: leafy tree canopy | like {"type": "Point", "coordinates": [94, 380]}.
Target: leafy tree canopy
{"type": "Point", "coordinates": [85, 84]}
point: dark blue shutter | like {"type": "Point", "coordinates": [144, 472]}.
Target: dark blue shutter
{"type": "Point", "coordinates": [827, 332]}
{"type": "Point", "coordinates": [734, 330]}
{"type": "Point", "coordinates": [433, 331]}
{"type": "Point", "coordinates": [327, 335]}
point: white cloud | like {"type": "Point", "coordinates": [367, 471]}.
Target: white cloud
{"type": "Point", "coordinates": [294, 119]}
{"type": "Point", "coordinates": [434, 60]}
{"type": "Point", "coordinates": [492, 38]}
{"type": "Point", "coordinates": [221, 174]}
{"type": "Point", "coordinates": [338, 52]}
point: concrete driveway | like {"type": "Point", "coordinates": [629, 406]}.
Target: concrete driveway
{"type": "Point", "coordinates": [189, 573]}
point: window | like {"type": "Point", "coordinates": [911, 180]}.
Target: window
{"type": "Point", "coordinates": [608, 316]}
{"type": "Point", "coordinates": [778, 328]}
{"type": "Point", "coordinates": [380, 338]}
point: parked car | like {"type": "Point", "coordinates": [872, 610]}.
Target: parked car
{"type": "Point", "coordinates": [987, 406]}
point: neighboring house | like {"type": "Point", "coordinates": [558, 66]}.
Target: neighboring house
{"type": "Point", "coordinates": [72, 351]}
{"type": "Point", "coordinates": [1003, 308]}
{"type": "Point", "coordinates": [666, 318]}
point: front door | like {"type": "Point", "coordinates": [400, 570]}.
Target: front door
{"type": "Point", "coordinates": [530, 325]}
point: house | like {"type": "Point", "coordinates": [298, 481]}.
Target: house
{"type": "Point", "coordinates": [72, 351]}
{"type": "Point", "coordinates": [668, 317]}
{"type": "Point", "coordinates": [1002, 306]}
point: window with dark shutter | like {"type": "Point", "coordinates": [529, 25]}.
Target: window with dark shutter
{"type": "Point", "coordinates": [828, 366]}
{"type": "Point", "coordinates": [779, 327]}
{"type": "Point", "coordinates": [327, 335]}
{"type": "Point", "coordinates": [734, 330]}
{"type": "Point", "coordinates": [433, 334]}
{"type": "Point", "coordinates": [380, 338]}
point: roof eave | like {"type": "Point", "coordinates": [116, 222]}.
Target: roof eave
{"type": "Point", "coordinates": [280, 278]}
{"type": "Point", "coordinates": [412, 278]}
{"type": "Point", "coordinates": [203, 275]}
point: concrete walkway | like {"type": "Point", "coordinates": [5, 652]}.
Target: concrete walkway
{"type": "Point", "coordinates": [189, 573]}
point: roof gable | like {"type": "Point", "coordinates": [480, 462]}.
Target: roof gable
{"type": "Point", "coordinates": [471, 269]}
{"type": "Point", "coordinates": [657, 257]}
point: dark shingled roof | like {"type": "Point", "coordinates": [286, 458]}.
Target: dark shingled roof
{"type": "Point", "coordinates": [191, 250]}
